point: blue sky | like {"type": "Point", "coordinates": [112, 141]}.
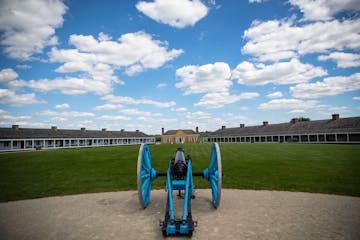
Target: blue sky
{"type": "Point", "coordinates": [177, 64]}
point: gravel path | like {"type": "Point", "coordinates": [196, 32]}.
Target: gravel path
{"type": "Point", "coordinates": [243, 214]}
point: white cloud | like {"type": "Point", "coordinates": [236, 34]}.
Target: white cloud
{"type": "Point", "coordinates": [6, 118]}
{"type": "Point", "coordinates": [296, 111]}
{"type": "Point", "coordinates": [113, 118]}
{"type": "Point", "coordinates": [256, 1]}
{"type": "Point", "coordinates": [135, 111]}
{"type": "Point", "coordinates": [70, 85]}
{"type": "Point", "coordinates": [161, 85]}
{"type": "Point", "coordinates": [129, 100]}
{"type": "Point", "coordinates": [71, 114]}
{"type": "Point", "coordinates": [132, 50]}
{"type": "Point", "coordinates": [343, 60]}
{"type": "Point", "coordinates": [7, 75]}
{"type": "Point", "coordinates": [275, 95]}
{"type": "Point", "coordinates": [108, 106]}
{"type": "Point", "coordinates": [219, 99]}
{"type": "Point", "coordinates": [275, 40]}
{"type": "Point", "coordinates": [29, 26]}
{"type": "Point", "coordinates": [23, 66]}
{"type": "Point", "coordinates": [198, 115]}
{"type": "Point", "coordinates": [180, 109]}
{"type": "Point", "coordinates": [9, 97]}
{"type": "Point", "coordinates": [205, 78]}
{"type": "Point", "coordinates": [176, 13]}
{"type": "Point", "coordinates": [356, 98]}
{"type": "Point", "coordinates": [288, 104]}
{"type": "Point", "coordinates": [324, 9]}
{"type": "Point", "coordinates": [62, 106]}
{"type": "Point", "coordinates": [278, 73]}
{"type": "Point", "coordinates": [134, 69]}
{"type": "Point", "coordinates": [328, 87]}
{"type": "Point", "coordinates": [59, 119]}
{"type": "Point", "coordinates": [95, 60]}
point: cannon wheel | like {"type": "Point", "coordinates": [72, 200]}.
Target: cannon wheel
{"type": "Point", "coordinates": [144, 175]}
{"type": "Point", "coordinates": [215, 174]}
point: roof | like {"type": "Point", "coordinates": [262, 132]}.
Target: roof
{"type": "Point", "coordinates": [32, 133]}
{"type": "Point", "coordinates": [186, 131]}
{"type": "Point", "coordinates": [351, 124]}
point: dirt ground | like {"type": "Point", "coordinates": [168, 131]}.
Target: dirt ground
{"type": "Point", "coordinates": [243, 214]}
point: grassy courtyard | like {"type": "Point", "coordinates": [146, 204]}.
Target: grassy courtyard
{"type": "Point", "coordinates": [293, 167]}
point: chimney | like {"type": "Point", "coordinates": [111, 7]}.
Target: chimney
{"type": "Point", "coordinates": [265, 123]}
{"type": "Point", "coordinates": [83, 129]}
{"type": "Point", "coordinates": [294, 120]}
{"type": "Point", "coordinates": [223, 127]}
{"type": "Point", "coordinates": [54, 128]}
{"type": "Point", "coordinates": [15, 127]}
{"type": "Point", "coordinates": [137, 130]}
{"type": "Point", "coordinates": [122, 130]}
{"type": "Point", "coordinates": [104, 129]}
{"type": "Point", "coordinates": [242, 125]}
{"type": "Point", "coordinates": [162, 131]}
{"type": "Point", "coordinates": [335, 116]}
{"type": "Point", "coordinates": [197, 129]}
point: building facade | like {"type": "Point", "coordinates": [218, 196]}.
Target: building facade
{"type": "Point", "coordinates": [180, 136]}
{"type": "Point", "coordinates": [18, 139]}
{"type": "Point", "coordinates": [334, 130]}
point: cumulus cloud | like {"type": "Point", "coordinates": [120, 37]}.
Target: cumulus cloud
{"type": "Point", "coordinates": [95, 60]}
{"type": "Point", "coordinates": [219, 99]}
{"type": "Point", "coordinates": [62, 106]}
{"type": "Point", "coordinates": [275, 95]}
{"type": "Point", "coordinates": [275, 40]}
{"type": "Point", "coordinates": [23, 66]}
{"type": "Point", "coordinates": [328, 87]}
{"type": "Point", "coordinates": [130, 111]}
{"type": "Point", "coordinates": [70, 85]}
{"type": "Point", "coordinates": [198, 115]}
{"type": "Point", "coordinates": [356, 98]}
{"type": "Point", "coordinates": [296, 111]}
{"type": "Point", "coordinates": [29, 26]}
{"type": "Point", "coordinates": [6, 118]}
{"type": "Point", "coordinates": [324, 9]}
{"type": "Point", "coordinates": [343, 60]}
{"type": "Point", "coordinates": [278, 73]}
{"type": "Point", "coordinates": [203, 79]}
{"type": "Point", "coordinates": [71, 114]}
{"type": "Point", "coordinates": [131, 49]}
{"type": "Point", "coordinates": [161, 85]}
{"type": "Point", "coordinates": [288, 104]}
{"type": "Point", "coordinates": [10, 97]}
{"type": "Point", "coordinates": [113, 118]}
{"type": "Point", "coordinates": [176, 13]}
{"type": "Point", "coordinates": [7, 75]}
{"type": "Point", "coordinates": [180, 109]}
{"type": "Point", "coordinates": [129, 100]}
{"type": "Point", "coordinates": [109, 106]}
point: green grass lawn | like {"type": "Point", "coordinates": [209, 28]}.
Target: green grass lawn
{"type": "Point", "coordinates": [292, 167]}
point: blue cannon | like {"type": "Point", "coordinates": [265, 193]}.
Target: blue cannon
{"type": "Point", "coordinates": [179, 176]}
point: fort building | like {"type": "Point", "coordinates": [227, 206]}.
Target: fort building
{"type": "Point", "coordinates": [333, 130]}
{"type": "Point", "coordinates": [180, 136]}
{"type": "Point", "coordinates": [17, 139]}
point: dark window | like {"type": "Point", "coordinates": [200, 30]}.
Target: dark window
{"type": "Point", "coordinates": [330, 137]}
{"type": "Point", "coordinates": [354, 137]}
{"type": "Point", "coordinates": [341, 137]}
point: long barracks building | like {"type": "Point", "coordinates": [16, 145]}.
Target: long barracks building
{"type": "Point", "coordinates": [334, 130]}
{"type": "Point", "coordinates": [17, 139]}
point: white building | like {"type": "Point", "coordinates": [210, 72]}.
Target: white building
{"type": "Point", "coordinates": [17, 139]}
{"type": "Point", "coordinates": [334, 130]}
